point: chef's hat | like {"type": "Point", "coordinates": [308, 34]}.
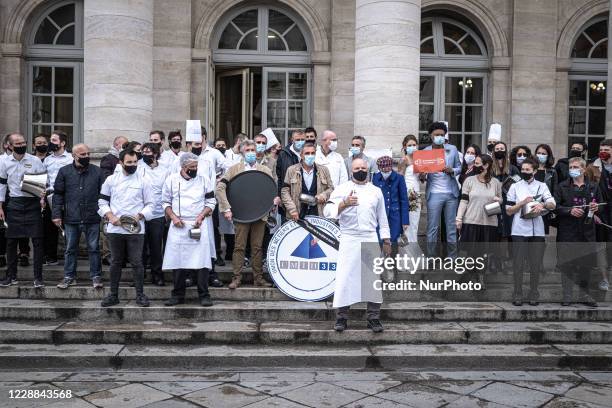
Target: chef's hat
{"type": "Point", "coordinates": [271, 139]}
{"type": "Point", "coordinates": [495, 132]}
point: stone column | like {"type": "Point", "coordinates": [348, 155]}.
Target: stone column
{"type": "Point", "coordinates": [118, 70]}
{"type": "Point", "coordinates": [387, 66]}
{"type": "Point", "coordinates": [608, 91]}
{"type": "Point", "coordinates": [11, 97]}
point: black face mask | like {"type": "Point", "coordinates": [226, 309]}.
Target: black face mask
{"type": "Point", "coordinates": [221, 149]}
{"type": "Point", "coordinates": [42, 149]}
{"type": "Point", "coordinates": [477, 169]}
{"type": "Point", "coordinates": [193, 173]}
{"type": "Point", "coordinates": [575, 153]}
{"type": "Point", "coordinates": [499, 154]}
{"type": "Point", "coordinates": [196, 150]}
{"type": "Point", "coordinates": [53, 147]}
{"type": "Point", "coordinates": [83, 161]}
{"type": "Point", "coordinates": [490, 147]}
{"type": "Point", "coordinates": [20, 149]}
{"type": "Point", "coordinates": [526, 176]}
{"type": "Point", "coordinates": [130, 169]}
{"type": "Point", "coordinates": [148, 158]}
{"type": "Point", "coordinates": [138, 155]}
{"type": "Point", "coordinates": [175, 144]}
{"type": "Point", "coordinates": [360, 175]}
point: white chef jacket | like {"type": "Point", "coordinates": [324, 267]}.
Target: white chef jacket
{"type": "Point", "coordinates": [12, 171]}
{"type": "Point", "coordinates": [157, 178]}
{"type": "Point", "coordinates": [533, 227]}
{"type": "Point", "coordinates": [335, 164]}
{"type": "Point", "coordinates": [216, 158]}
{"type": "Point", "coordinates": [126, 195]}
{"type": "Point", "coordinates": [188, 197]}
{"type": "Point", "coordinates": [53, 163]}
{"type": "Point", "coordinates": [168, 159]}
{"type": "Point", "coordinates": [232, 158]}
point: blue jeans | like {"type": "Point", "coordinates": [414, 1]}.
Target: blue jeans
{"type": "Point", "coordinates": [435, 204]}
{"type": "Point", "coordinates": [92, 235]}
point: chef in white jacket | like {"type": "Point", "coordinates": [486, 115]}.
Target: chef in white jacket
{"type": "Point", "coordinates": [188, 200]}
{"type": "Point", "coordinates": [359, 207]}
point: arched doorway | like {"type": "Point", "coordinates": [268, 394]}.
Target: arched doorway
{"type": "Point", "coordinates": [454, 67]}
{"type": "Point", "coordinates": [262, 73]}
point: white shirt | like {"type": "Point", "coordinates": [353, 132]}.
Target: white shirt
{"type": "Point", "coordinates": [12, 171]}
{"type": "Point", "coordinates": [216, 158]}
{"type": "Point", "coordinates": [308, 177]}
{"type": "Point", "coordinates": [533, 227]}
{"type": "Point", "coordinates": [53, 163]}
{"type": "Point", "coordinates": [334, 163]}
{"type": "Point", "coordinates": [168, 158]}
{"type": "Point", "coordinates": [188, 197]}
{"type": "Point", "coordinates": [232, 158]}
{"type": "Point", "coordinates": [126, 195]}
{"type": "Point", "coordinates": [156, 177]}
{"type": "Point", "coordinates": [364, 218]}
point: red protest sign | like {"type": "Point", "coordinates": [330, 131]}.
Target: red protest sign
{"type": "Point", "coordinates": [429, 161]}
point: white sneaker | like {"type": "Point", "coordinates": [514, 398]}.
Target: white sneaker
{"type": "Point", "coordinates": [604, 285]}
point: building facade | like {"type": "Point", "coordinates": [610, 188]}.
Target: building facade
{"type": "Point", "coordinates": [381, 69]}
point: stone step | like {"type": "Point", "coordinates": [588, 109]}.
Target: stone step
{"type": "Point", "coordinates": [308, 333]}
{"type": "Point", "coordinates": [271, 311]}
{"type": "Point", "coordinates": [389, 357]}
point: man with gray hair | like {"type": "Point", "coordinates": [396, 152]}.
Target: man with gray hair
{"type": "Point", "coordinates": [255, 229]}
{"type": "Point", "coordinates": [188, 200]}
{"type": "Point", "coordinates": [328, 157]}
{"type": "Point", "coordinates": [358, 144]}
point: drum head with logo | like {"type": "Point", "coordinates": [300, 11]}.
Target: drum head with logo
{"type": "Point", "coordinates": [251, 195]}
{"type": "Point", "coordinates": [303, 267]}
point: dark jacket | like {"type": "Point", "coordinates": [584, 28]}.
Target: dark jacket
{"type": "Point", "coordinates": [572, 229]}
{"type": "Point", "coordinates": [75, 195]}
{"type": "Point", "coordinates": [562, 169]}
{"type": "Point", "coordinates": [396, 201]}
{"type": "Point", "coordinates": [108, 164]}
{"type": "Point", "coordinates": [286, 158]}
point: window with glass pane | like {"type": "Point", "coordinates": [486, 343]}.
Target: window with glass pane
{"type": "Point", "coordinates": [592, 42]}
{"type": "Point", "coordinates": [287, 101]}
{"type": "Point", "coordinates": [53, 100]}
{"type": "Point", "coordinates": [57, 28]}
{"type": "Point", "coordinates": [587, 111]}
{"type": "Point", "coordinates": [464, 109]}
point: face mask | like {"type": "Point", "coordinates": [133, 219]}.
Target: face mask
{"type": "Point", "coordinates": [477, 169]}
{"type": "Point", "coordinates": [573, 173]}
{"type": "Point", "coordinates": [53, 147]}
{"type": "Point", "coordinates": [196, 150]}
{"type": "Point", "coordinates": [20, 149]}
{"type": "Point", "coordinates": [333, 145]}
{"type": "Point", "coordinates": [354, 150]}
{"type": "Point", "coordinates": [192, 173]}
{"type": "Point", "coordinates": [469, 158]}
{"type": "Point", "coordinates": [41, 148]}
{"type": "Point", "coordinates": [439, 140]}
{"type": "Point", "coordinates": [250, 157]}
{"type": "Point", "coordinates": [309, 160]}
{"type": "Point", "coordinates": [499, 154]}
{"type": "Point", "coordinates": [360, 175]}
{"type": "Point", "coordinates": [526, 176]}
{"type": "Point", "coordinates": [260, 148]}
{"type": "Point", "coordinates": [411, 149]}
{"type": "Point", "coordinates": [83, 161]}
{"type": "Point", "coordinates": [138, 155]}
{"type": "Point", "coordinates": [148, 158]}
{"type": "Point", "coordinates": [575, 153]}
{"type": "Point", "coordinates": [175, 144]}
{"type": "Point", "coordinates": [298, 145]}
{"type": "Point", "coordinates": [160, 145]}
{"type": "Point", "coordinates": [222, 150]}
{"type": "Point", "coordinates": [602, 155]}
{"type": "Point", "coordinates": [520, 159]}
{"type": "Point", "coordinates": [385, 174]}
{"type": "Point", "coordinates": [490, 147]}
{"type": "Point", "coordinates": [542, 158]}
{"type": "Point", "coordinates": [130, 169]}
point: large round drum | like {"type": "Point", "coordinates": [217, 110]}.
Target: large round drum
{"type": "Point", "coordinates": [303, 267]}
{"type": "Point", "coordinates": [251, 195]}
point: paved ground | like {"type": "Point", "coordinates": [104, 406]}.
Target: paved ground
{"type": "Point", "coordinates": [292, 389]}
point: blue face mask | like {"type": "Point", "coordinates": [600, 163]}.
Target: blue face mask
{"type": "Point", "coordinates": [260, 148]}
{"type": "Point", "coordinates": [298, 145]}
{"type": "Point", "coordinates": [354, 150]}
{"type": "Point", "coordinates": [309, 160]}
{"type": "Point", "coordinates": [250, 157]}
{"type": "Point", "coordinates": [520, 159]}
{"type": "Point", "coordinates": [411, 149]}
{"type": "Point", "coordinates": [573, 173]}
{"type": "Point", "coordinates": [439, 140]}
{"type": "Point", "coordinates": [542, 158]}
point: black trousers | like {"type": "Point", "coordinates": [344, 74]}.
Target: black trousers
{"type": "Point", "coordinates": [50, 232]}
{"type": "Point", "coordinates": [529, 251]}
{"type": "Point", "coordinates": [122, 247]}
{"type": "Point", "coordinates": [153, 246]}
{"type": "Point", "coordinates": [230, 240]}
{"type": "Point", "coordinates": [11, 257]}
{"type": "Point", "coordinates": [179, 275]}
{"type": "Point", "coordinates": [215, 218]}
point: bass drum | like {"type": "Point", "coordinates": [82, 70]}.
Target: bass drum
{"type": "Point", "coordinates": [301, 266]}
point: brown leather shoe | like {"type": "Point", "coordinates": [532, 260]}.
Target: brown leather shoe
{"type": "Point", "coordinates": [235, 284]}
{"type": "Point", "coordinates": [261, 283]}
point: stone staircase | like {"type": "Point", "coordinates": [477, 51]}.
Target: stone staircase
{"type": "Point", "coordinates": [260, 327]}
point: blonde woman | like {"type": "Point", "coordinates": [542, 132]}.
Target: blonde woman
{"type": "Point", "coordinates": [413, 185]}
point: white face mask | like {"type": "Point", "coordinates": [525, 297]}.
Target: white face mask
{"type": "Point", "coordinates": [385, 174]}
{"type": "Point", "coordinates": [333, 145]}
{"type": "Point", "coordinates": [469, 158]}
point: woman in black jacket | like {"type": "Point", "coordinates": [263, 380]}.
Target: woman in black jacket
{"type": "Point", "coordinates": [546, 174]}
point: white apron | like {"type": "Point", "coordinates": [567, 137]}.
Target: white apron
{"type": "Point", "coordinates": [351, 285]}
{"type": "Point", "coordinates": [183, 252]}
